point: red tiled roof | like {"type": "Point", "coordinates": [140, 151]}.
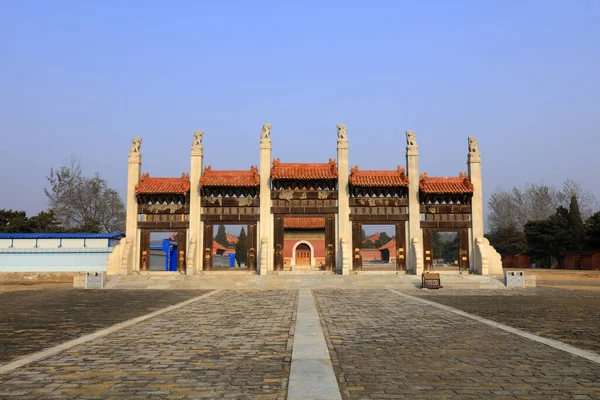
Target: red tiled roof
{"type": "Point", "coordinates": [304, 223]}
{"type": "Point", "coordinates": [389, 245]}
{"type": "Point", "coordinates": [217, 246]}
{"type": "Point", "coordinates": [373, 238]}
{"type": "Point", "coordinates": [378, 178]}
{"type": "Point", "coordinates": [451, 185]}
{"type": "Point", "coordinates": [150, 185]}
{"type": "Point", "coordinates": [231, 239]}
{"type": "Point", "coordinates": [230, 178]}
{"type": "Point", "coordinates": [304, 171]}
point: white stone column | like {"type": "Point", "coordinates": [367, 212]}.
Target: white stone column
{"type": "Point", "coordinates": [132, 236]}
{"type": "Point", "coordinates": [196, 231]}
{"type": "Point", "coordinates": [265, 226]}
{"type": "Point", "coordinates": [474, 166]}
{"type": "Point", "coordinates": [415, 235]}
{"type": "Point", "coordinates": [345, 232]}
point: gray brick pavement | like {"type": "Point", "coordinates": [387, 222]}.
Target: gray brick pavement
{"type": "Point", "coordinates": [235, 344]}
{"type": "Point", "coordinates": [385, 346]}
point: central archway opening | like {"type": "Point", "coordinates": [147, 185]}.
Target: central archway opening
{"type": "Point", "coordinates": [303, 254]}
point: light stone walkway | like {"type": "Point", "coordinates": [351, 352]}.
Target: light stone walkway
{"type": "Point", "coordinates": [311, 374]}
{"type": "Point", "coordinates": [235, 344]}
{"type": "Point", "coordinates": [385, 345]}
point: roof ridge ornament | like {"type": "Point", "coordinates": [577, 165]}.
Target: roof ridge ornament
{"type": "Point", "coordinates": [333, 166]}
{"type": "Point", "coordinates": [412, 149]}
{"type": "Point", "coordinates": [474, 154]}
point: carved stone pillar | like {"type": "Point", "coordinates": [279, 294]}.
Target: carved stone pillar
{"type": "Point", "coordinates": [344, 230]}
{"type": "Point", "coordinates": [476, 231]}
{"type": "Point", "coordinates": [414, 263]}
{"type": "Point", "coordinates": [132, 235]}
{"type": "Point", "coordinates": [194, 262]}
{"type": "Point", "coordinates": [266, 254]}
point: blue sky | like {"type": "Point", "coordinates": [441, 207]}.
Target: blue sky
{"type": "Point", "coordinates": [83, 78]}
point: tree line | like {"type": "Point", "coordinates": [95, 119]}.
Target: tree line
{"type": "Point", "coordinates": [76, 203]}
{"type": "Point", "coordinates": [542, 222]}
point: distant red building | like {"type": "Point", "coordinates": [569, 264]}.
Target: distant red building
{"type": "Point", "coordinates": [516, 261]}
{"type": "Point", "coordinates": [590, 259]}
{"type": "Point", "coordinates": [304, 242]}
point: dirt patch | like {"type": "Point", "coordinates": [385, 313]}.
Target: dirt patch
{"type": "Point", "coordinates": [16, 286]}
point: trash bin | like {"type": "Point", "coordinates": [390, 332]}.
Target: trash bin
{"type": "Point", "coordinates": [514, 279]}
{"type": "Point", "coordinates": [231, 260]}
{"type": "Point", "coordinates": [94, 280]}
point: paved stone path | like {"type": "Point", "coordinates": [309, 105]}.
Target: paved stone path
{"type": "Point", "coordinates": [32, 320]}
{"type": "Point", "coordinates": [571, 316]}
{"type": "Point", "coordinates": [235, 344]}
{"type": "Point", "coordinates": [312, 375]}
{"type": "Point", "coordinates": [353, 344]}
{"type": "Point", "coordinates": [384, 345]}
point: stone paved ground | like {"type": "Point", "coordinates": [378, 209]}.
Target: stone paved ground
{"type": "Point", "coordinates": [571, 316]}
{"type": "Point", "coordinates": [383, 346]}
{"type": "Point", "coordinates": [233, 344]}
{"type": "Point", "coordinates": [32, 320]}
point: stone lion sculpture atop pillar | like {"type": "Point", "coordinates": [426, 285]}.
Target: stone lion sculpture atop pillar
{"type": "Point", "coordinates": [265, 135]}
{"type": "Point", "coordinates": [411, 138]}
{"type": "Point", "coordinates": [474, 154]}
{"type": "Point", "coordinates": [136, 144]}
{"type": "Point", "coordinates": [342, 135]}
{"type": "Point", "coordinates": [411, 143]}
{"type": "Point", "coordinates": [197, 140]}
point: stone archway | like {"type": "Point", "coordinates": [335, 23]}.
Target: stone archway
{"type": "Point", "coordinates": [312, 252]}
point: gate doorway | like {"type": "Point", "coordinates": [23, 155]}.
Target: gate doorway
{"type": "Point", "coordinates": [163, 250]}
{"type": "Point", "coordinates": [303, 255]}
{"type": "Point", "coordinates": [222, 244]}
{"type": "Point", "coordinates": [446, 250]}
{"type": "Point", "coordinates": [304, 243]}
{"type": "Point", "coordinates": [379, 247]}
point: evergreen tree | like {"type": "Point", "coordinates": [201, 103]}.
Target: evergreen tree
{"type": "Point", "coordinates": [450, 249]}
{"type": "Point", "coordinates": [508, 240]}
{"type": "Point", "coordinates": [221, 237]}
{"type": "Point", "coordinates": [548, 238]}
{"type": "Point", "coordinates": [576, 224]}
{"type": "Point", "coordinates": [46, 221]}
{"type": "Point", "coordinates": [592, 232]}
{"type": "Point", "coordinates": [241, 248]}
{"type": "Point", "coordinates": [437, 244]}
{"type": "Point", "coordinates": [364, 235]}
{"type": "Point", "coordinates": [18, 222]}
{"type": "Point", "coordinates": [14, 222]}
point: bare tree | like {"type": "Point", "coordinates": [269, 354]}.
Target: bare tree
{"type": "Point", "coordinates": [536, 202]}
{"type": "Point", "coordinates": [586, 200]}
{"type": "Point", "coordinates": [80, 201]}
{"type": "Point", "coordinates": [503, 211]}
